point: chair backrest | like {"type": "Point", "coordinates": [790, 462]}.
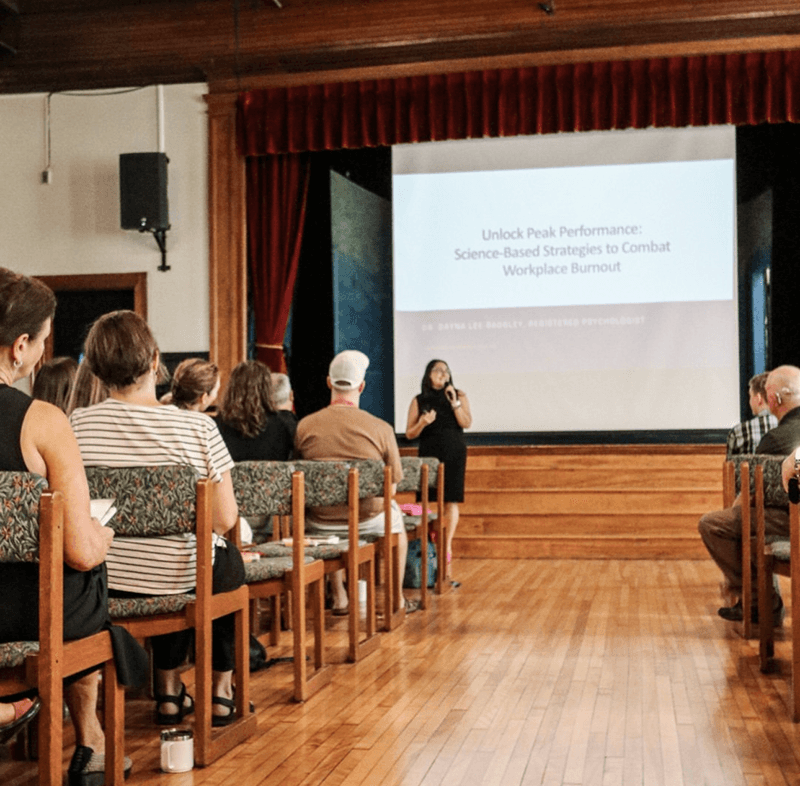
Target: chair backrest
{"type": "Point", "coordinates": [412, 471]}
{"type": "Point", "coordinates": [20, 493]}
{"type": "Point", "coordinates": [149, 500]}
{"type": "Point", "coordinates": [263, 488]}
{"type": "Point", "coordinates": [326, 481]}
{"type": "Point", "coordinates": [774, 494]}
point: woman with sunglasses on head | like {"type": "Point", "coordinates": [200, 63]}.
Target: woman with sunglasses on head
{"type": "Point", "coordinates": [438, 416]}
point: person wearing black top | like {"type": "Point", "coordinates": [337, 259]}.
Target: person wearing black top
{"type": "Point", "coordinates": [247, 419]}
{"type": "Point", "coordinates": [438, 416]}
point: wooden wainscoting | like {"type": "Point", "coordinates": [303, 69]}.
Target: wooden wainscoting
{"type": "Point", "coordinates": [588, 501]}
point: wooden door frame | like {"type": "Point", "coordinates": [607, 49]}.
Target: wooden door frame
{"type": "Point", "coordinates": [99, 282]}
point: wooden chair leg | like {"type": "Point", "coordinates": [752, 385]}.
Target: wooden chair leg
{"type": "Point", "coordinates": [766, 644]}
{"type": "Point", "coordinates": [114, 718]}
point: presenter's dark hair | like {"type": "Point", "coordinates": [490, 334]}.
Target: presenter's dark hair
{"type": "Point", "coordinates": [426, 377]}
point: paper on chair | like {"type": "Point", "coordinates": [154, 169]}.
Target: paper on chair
{"type": "Point", "coordinates": [102, 509]}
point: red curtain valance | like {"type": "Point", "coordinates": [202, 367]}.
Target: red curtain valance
{"type": "Point", "coordinates": [682, 91]}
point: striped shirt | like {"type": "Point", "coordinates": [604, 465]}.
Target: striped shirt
{"type": "Point", "coordinates": [744, 437]}
{"type": "Point", "coordinates": [116, 434]}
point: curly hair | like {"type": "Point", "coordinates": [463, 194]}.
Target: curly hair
{"type": "Point", "coordinates": [25, 305]}
{"type": "Point", "coordinates": [247, 403]}
{"type": "Point", "coordinates": [192, 378]}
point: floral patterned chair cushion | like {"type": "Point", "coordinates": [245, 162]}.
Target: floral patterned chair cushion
{"type": "Point", "coordinates": [412, 471]}
{"type": "Point", "coordinates": [148, 605]}
{"type": "Point", "coordinates": [326, 481]}
{"type": "Point", "coordinates": [263, 488]}
{"type": "Point", "coordinates": [268, 568]}
{"type": "Point", "coordinates": [14, 653]}
{"type": "Point", "coordinates": [149, 500]}
{"type": "Point", "coordinates": [19, 516]}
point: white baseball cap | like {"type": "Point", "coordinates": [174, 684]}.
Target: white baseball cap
{"type": "Point", "coordinates": [347, 369]}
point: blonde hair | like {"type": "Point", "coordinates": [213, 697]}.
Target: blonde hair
{"type": "Point", "coordinates": [191, 380]}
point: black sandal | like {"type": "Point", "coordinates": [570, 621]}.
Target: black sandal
{"type": "Point", "coordinates": [171, 718]}
{"type": "Point", "coordinates": [223, 720]}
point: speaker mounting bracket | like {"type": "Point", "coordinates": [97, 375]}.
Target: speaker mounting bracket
{"type": "Point", "coordinates": [160, 236]}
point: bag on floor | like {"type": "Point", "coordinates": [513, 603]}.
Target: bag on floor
{"type": "Point", "coordinates": [258, 654]}
{"type": "Point", "coordinates": [413, 575]}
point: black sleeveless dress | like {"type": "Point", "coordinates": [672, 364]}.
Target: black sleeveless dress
{"type": "Point", "coordinates": [85, 592]}
{"type": "Point", "coordinates": [444, 439]}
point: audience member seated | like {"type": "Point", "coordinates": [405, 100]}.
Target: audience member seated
{"type": "Point", "coordinates": [342, 431]}
{"type": "Point", "coordinates": [86, 390]}
{"type": "Point", "coordinates": [54, 380]}
{"type": "Point", "coordinates": [744, 437]}
{"type": "Point", "coordinates": [283, 401]}
{"type": "Point", "coordinates": [721, 530]}
{"type": "Point", "coordinates": [131, 429]}
{"type": "Point", "coordinates": [195, 385]}
{"type": "Point", "coordinates": [36, 437]}
{"type": "Point", "coordinates": [247, 419]}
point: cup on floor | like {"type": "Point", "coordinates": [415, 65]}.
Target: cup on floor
{"type": "Point", "coordinates": [177, 750]}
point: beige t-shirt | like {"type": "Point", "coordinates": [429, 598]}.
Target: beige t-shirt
{"type": "Point", "coordinates": [342, 433]}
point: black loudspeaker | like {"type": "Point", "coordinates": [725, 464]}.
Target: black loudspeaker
{"type": "Point", "coordinates": [143, 191]}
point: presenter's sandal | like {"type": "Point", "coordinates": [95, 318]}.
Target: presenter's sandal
{"type": "Point", "coordinates": [87, 768]}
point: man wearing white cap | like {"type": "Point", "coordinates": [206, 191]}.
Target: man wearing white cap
{"type": "Point", "coordinates": [342, 431]}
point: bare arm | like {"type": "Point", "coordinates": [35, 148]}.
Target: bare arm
{"type": "Point", "coordinates": [463, 413]}
{"type": "Point", "coordinates": [224, 510]}
{"type": "Point", "coordinates": [415, 423]}
{"type": "Point", "coordinates": [49, 447]}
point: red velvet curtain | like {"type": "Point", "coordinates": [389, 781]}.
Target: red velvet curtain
{"type": "Point", "coordinates": [683, 91]}
{"type": "Point", "coordinates": [277, 188]}
{"type": "Point", "coordinates": [741, 89]}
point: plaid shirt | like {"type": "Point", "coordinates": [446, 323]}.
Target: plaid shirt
{"type": "Point", "coordinates": [745, 436]}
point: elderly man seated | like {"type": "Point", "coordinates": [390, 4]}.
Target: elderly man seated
{"type": "Point", "coordinates": [721, 530]}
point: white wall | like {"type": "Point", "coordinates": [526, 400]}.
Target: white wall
{"type": "Point", "coordinates": [73, 224]}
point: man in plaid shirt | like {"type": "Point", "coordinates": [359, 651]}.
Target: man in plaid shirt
{"type": "Point", "coordinates": [744, 436]}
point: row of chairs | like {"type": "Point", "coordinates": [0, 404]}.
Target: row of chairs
{"type": "Point", "coordinates": [758, 479]}
{"type": "Point", "coordinates": [169, 500]}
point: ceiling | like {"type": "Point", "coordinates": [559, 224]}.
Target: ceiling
{"type": "Point", "coordinates": [80, 44]}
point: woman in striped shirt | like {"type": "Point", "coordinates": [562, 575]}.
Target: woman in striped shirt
{"type": "Point", "coordinates": [130, 429]}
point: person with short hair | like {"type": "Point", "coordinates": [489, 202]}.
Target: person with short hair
{"type": "Point", "coordinates": [745, 436]}
{"type": "Point", "coordinates": [131, 428]}
{"type": "Point", "coordinates": [721, 530]}
{"type": "Point", "coordinates": [283, 401]}
{"type": "Point", "coordinates": [53, 382]}
{"type": "Point", "coordinates": [341, 432]}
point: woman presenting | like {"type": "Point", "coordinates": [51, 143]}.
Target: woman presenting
{"type": "Point", "coordinates": [438, 416]}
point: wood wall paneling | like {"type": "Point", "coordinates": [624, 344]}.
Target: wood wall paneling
{"type": "Point", "coordinates": [592, 502]}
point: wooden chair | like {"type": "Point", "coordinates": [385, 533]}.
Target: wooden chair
{"type": "Point", "coordinates": [274, 488]}
{"type": "Point", "coordinates": [166, 500]}
{"type": "Point", "coordinates": [742, 478]}
{"type": "Point", "coordinates": [417, 474]}
{"type": "Point", "coordinates": [344, 482]}
{"type": "Point", "coordinates": [31, 530]}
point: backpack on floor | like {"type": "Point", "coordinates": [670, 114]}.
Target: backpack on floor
{"type": "Point", "coordinates": [413, 575]}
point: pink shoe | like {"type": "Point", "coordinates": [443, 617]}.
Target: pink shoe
{"type": "Point", "coordinates": [25, 710]}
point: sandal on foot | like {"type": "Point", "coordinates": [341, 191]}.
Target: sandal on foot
{"type": "Point", "coordinates": [223, 720]}
{"type": "Point", "coordinates": [88, 768]}
{"type": "Point", "coordinates": [171, 718]}
{"type": "Point", "coordinates": [25, 710]}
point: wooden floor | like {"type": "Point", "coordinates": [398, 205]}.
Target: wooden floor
{"type": "Point", "coordinates": [533, 672]}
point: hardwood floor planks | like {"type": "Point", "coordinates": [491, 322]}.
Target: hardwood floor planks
{"type": "Point", "coordinates": [552, 672]}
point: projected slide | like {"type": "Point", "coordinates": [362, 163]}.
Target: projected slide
{"type": "Point", "coordinates": [574, 283]}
